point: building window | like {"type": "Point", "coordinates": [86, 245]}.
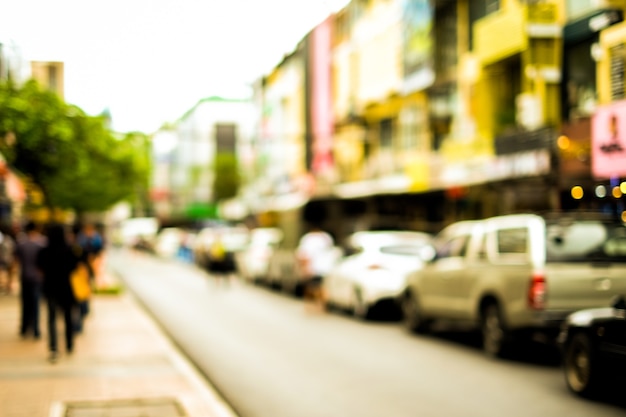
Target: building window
{"type": "Point", "coordinates": [617, 54]}
{"type": "Point", "coordinates": [441, 108]}
{"type": "Point", "coordinates": [408, 122]}
{"type": "Point", "coordinates": [52, 78]}
{"type": "Point", "coordinates": [446, 41]}
{"type": "Point", "coordinates": [386, 133]}
{"type": "Point", "coordinates": [342, 27]}
{"type": "Point", "coordinates": [580, 88]}
{"type": "Point", "coordinates": [479, 9]}
{"type": "Point", "coordinates": [225, 137]}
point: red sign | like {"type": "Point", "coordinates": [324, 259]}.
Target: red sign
{"type": "Point", "coordinates": [608, 141]}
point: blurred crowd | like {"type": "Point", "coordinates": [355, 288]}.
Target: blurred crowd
{"type": "Point", "coordinates": [55, 263]}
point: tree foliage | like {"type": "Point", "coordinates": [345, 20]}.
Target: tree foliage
{"type": "Point", "coordinates": [227, 177]}
{"type": "Point", "coordinates": [74, 159]}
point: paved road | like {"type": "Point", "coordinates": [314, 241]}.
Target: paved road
{"type": "Point", "coordinates": [272, 358]}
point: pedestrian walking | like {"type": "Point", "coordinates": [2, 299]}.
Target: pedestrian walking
{"type": "Point", "coordinates": [91, 245]}
{"type": "Point", "coordinates": [56, 261]}
{"type": "Point", "coordinates": [315, 255]}
{"type": "Point", "coordinates": [221, 261]}
{"type": "Point", "coordinates": [27, 249]}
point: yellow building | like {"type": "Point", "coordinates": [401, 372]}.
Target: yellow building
{"type": "Point", "coordinates": [518, 49]}
{"type": "Point", "coordinates": [507, 111]}
{"type": "Point", "coordinates": [50, 75]}
{"type": "Point", "coordinates": [380, 131]}
{"type": "Point", "coordinates": [451, 107]}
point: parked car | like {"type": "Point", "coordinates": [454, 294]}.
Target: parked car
{"type": "Point", "coordinates": [593, 343]}
{"type": "Point", "coordinates": [254, 260]}
{"type": "Point", "coordinates": [285, 269]}
{"type": "Point", "coordinates": [282, 270]}
{"type": "Point", "coordinates": [517, 275]}
{"type": "Point", "coordinates": [375, 273]}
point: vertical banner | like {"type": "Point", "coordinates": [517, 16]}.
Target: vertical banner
{"type": "Point", "coordinates": [321, 104]}
{"type": "Point", "coordinates": [608, 141]}
{"type": "Point", "coordinates": [418, 45]}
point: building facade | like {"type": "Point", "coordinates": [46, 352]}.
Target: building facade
{"type": "Point", "coordinates": [441, 110]}
{"type": "Point", "coordinates": [185, 154]}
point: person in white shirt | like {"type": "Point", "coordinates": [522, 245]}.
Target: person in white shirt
{"type": "Point", "coordinates": [316, 255]}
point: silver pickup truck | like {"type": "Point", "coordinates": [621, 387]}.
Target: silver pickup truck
{"type": "Point", "coordinates": [517, 275]}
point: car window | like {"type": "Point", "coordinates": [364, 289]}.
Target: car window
{"type": "Point", "coordinates": [512, 241]}
{"type": "Point", "coordinates": [586, 241]}
{"type": "Point", "coordinates": [511, 245]}
{"type": "Point", "coordinates": [453, 247]}
{"type": "Point", "coordinates": [407, 250]}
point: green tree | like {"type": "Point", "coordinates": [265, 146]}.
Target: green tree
{"type": "Point", "coordinates": [227, 176]}
{"type": "Point", "coordinates": [72, 157]}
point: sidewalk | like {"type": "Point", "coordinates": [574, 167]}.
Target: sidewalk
{"type": "Point", "coordinates": [122, 366]}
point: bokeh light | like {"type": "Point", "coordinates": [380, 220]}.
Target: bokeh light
{"type": "Point", "coordinates": [600, 191]}
{"type": "Point", "coordinates": [577, 192]}
{"type": "Point", "coordinates": [617, 193]}
{"type": "Point", "coordinates": [563, 142]}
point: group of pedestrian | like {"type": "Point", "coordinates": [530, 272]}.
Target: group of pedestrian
{"type": "Point", "coordinates": [46, 260]}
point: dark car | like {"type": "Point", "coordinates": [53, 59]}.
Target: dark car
{"type": "Point", "coordinates": [593, 342]}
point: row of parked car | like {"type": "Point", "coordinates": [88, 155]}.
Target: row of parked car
{"type": "Point", "coordinates": [560, 276]}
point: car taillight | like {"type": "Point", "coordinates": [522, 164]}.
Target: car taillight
{"type": "Point", "coordinates": [537, 292]}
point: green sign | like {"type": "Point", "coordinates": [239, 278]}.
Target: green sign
{"type": "Point", "coordinates": [201, 211]}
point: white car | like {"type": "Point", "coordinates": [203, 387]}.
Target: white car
{"type": "Point", "coordinates": [169, 240]}
{"type": "Point", "coordinates": [377, 272]}
{"type": "Point", "coordinates": [254, 260]}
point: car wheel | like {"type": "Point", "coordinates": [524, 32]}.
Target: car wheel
{"type": "Point", "coordinates": [493, 331]}
{"type": "Point", "coordinates": [360, 308]}
{"type": "Point", "coordinates": [580, 368]}
{"type": "Point", "coordinates": [413, 317]}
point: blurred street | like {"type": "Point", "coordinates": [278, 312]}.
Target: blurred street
{"type": "Point", "coordinates": [270, 357]}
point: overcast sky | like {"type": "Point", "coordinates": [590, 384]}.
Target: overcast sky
{"type": "Point", "coordinates": [148, 61]}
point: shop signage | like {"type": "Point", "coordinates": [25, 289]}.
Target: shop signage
{"type": "Point", "coordinates": [608, 141]}
{"type": "Point", "coordinates": [603, 20]}
{"type": "Point", "coordinates": [586, 27]}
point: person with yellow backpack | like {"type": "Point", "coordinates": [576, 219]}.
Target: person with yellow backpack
{"type": "Point", "coordinates": [221, 263]}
